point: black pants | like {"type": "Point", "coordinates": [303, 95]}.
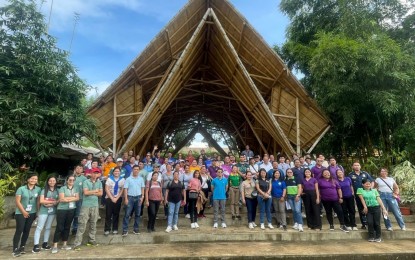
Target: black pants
{"type": "Point", "coordinates": [23, 226]}
{"type": "Point", "coordinates": [112, 214]}
{"type": "Point", "coordinates": [152, 210]}
{"type": "Point", "coordinates": [312, 209]}
{"type": "Point", "coordinates": [206, 192]}
{"type": "Point", "coordinates": [186, 207]}
{"type": "Point", "coordinates": [349, 211]}
{"type": "Point", "coordinates": [373, 222]}
{"type": "Point", "coordinates": [64, 219]}
{"type": "Point", "coordinates": [329, 206]}
{"type": "Point", "coordinates": [362, 215]}
{"type": "Point", "coordinates": [192, 210]}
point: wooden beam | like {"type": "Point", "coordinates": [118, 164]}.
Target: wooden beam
{"type": "Point", "coordinates": [285, 116]}
{"type": "Point", "coordinates": [211, 141]}
{"type": "Point", "coordinates": [151, 78]}
{"type": "Point", "coordinates": [240, 37]}
{"type": "Point", "coordinates": [259, 76]}
{"type": "Point", "coordinates": [149, 134]}
{"type": "Point", "coordinates": [236, 129]}
{"type": "Point", "coordinates": [318, 139]}
{"type": "Point", "coordinates": [114, 137]}
{"type": "Point", "coordinates": [213, 82]}
{"type": "Point", "coordinates": [130, 114]}
{"type": "Point", "coordinates": [186, 139]}
{"type": "Point", "coordinates": [210, 94]}
{"type": "Point", "coordinates": [168, 43]}
{"type": "Point", "coordinates": [297, 114]}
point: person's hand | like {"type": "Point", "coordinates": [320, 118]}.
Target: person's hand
{"type": "Point", "coordinates": [183, 203]}
{"type": "Point", "coordinates": [147, 203]}
{"type": "Point", "coordinates": [25, 214]}
{"type": "Point", "coordinates": [282, 199]}
{"type": "Point", "coordinates": [114, 199]}
{"type": "Point", "coordinates": [126, 202]}
{"type": "Point", "coordinates": [243, 201]}
{"type": "Point", "coordinates": [297, 198]}
{"type": "Point", "coordinates": [385, 212]}
{"type": "Point", "coordinates": [340, 200]}
{"type": "Point", "coordinates": [317, 201]}
{"type": "Point", "coordinates": [365, 210]}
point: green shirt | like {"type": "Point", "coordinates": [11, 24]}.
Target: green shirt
{"type": "Point", "coordinates": [91, 200]}
{"type": "Point", "coordinates": [68, 193]}
{"type": "Point", "coordinates": [79, 180]}
{"type": "Point", "coordinates": [369, 196]}
{"type": "Point", "coordinates": [28, 199]}
{"type": "Point", "coordinates": [243, 167]}
{"type": "Point", "coordinates": [234, 180]}
{"type": "Point", "coordinates": [292, 186]}
{"type": "Point", "coordinates": [52, 196]}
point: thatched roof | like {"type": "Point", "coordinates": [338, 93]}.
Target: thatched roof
{"type": "Point", "coordinates": [209, 65]}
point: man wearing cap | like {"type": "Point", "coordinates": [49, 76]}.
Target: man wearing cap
{"type": "Point", "coordinates": [148, 163]}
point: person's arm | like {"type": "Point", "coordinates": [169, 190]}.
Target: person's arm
{"type": "Point", "coordinates": [146, 194]}
{"type": "Point", "coordinates": [142, 197]}
{"type": "Point", "coordinates": [62, 197]}
{"type": "Point", "coordinates": [126, 196]}
{"type": "Point", "coordinates": [243, 194]}
{"type": "Point", "coordinates": [44, 202]}
{"type": "Point", "coordinates": [119, 195]}
{"type": "Point", "coordinates": [300, 190]}
{"type": "Point", "coordinates": [166, 196]}
{"type": "Point", "coordinates": [284, 193]}
{"type": "Point", "coordinates": [184, 197]}
{"type": "Point", "coordinates": [258, 189]}
{"type": "Point", "coordinates": [317, 193]}
{"type": "Point", "coordinates": [363, 203]}
{"type": "Point", "coordinates": [340, 193]}
{"type": "Point", "coordinates": [384, 211]}
{"type": "Point", "coordinates": [20, 206]}
{"type": "Point", "coordinates": [395, 189]}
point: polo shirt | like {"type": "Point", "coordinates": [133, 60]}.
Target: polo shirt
{"type": "Point", "coordinates": [219, 188]}
{"type": "Point", "coordinates": [333, 170]}
{"type": "Point", "coordinates": [266, 166]}
{"type": "Point", "coordinates": [67, 193]}
{"type": "Point", "coordinates": [134, 185]}
{"type": "Point", "coordinates": [317, 171]}
{"type": "Point", "coordinates": [310, 184]}
{"type": "Point", "coordinates": [328, 189]}
{"type": "Point", "coordinates": [28, 197]}
{"type": "Point", "coordinates": [278, 188]}
{"type": "Point", "coordinates": [234, 180]}
{"type": "Point", "coordinates": [111, 185]}
{"type": "Point", "coordinates": [270, 174]}
{"type": "Point", "coordinates": [298, 174]}
{"type": "Point", "coordinates": [91, 201]}
{"type": "Point", "coordinates": [283, 167]}
{"type": "Point", "coordinates": [242, 167]}
{"type": "Point", "coordinates": [78, 184]}
{"type": "Point", "coordinates": [369, 196]}
{"type": "Point", "coordinates": [50, 196]}
{"type": "Point", "coordinates": [345, 185]}
{"type": "Point", "coordinates": [358, 178]}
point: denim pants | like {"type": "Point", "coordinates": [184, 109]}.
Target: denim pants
{"type": "Point", "coordinates": [391, 205]}
{"type": "Point", "coordinates": [77, 212]}
{"type": "Point", "coordinates": [251, 205]}
{"type": "Point", "coordinates": [43, 221]}
{"type": "Point", "coordinates": [173, 217]}
{"type": "Point", "coordinates": [264, 208]}
{"type": "Point", "coordinates": [296, 207]}
{"type": "Point", "coordinates": [134, 205]}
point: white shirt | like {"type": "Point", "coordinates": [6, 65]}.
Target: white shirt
{"type": "Point", "coordinates": [382, 187]}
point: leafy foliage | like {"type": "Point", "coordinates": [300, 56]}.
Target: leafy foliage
{"type": "Point", "coordinates": [41, 95]}
{"type": "Point", "coordinates": [404, 174]}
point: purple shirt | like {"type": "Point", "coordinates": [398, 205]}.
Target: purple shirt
{"type": "Point", "coordinates": [328, 189]}
{"type": "Point", "coordinates": [345, 186]}
{"type": "Point", "coordinates": [310, 184]}
{"type": "Point", "coordinates": [333, 170]}
{"type": "Point", "coordinates": [212, 170]}
{"type": "Point", "coordinates": [316, 171]}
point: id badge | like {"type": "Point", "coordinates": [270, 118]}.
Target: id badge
{"type": "Point", "coordinates": [71, 205]}
{"type": "Point", "coordinates": [28, 208]}
{"type": "Point", "coordinates": [50, 210]}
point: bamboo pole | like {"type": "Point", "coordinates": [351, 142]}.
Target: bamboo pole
{"type": "Point", "coordinates": [318, 139]}
{"type": "Point", "coordinates": [114, 137]}
{"type": "Point", "coordinates": [130, 114]}
{"type": "Point", "coordinates": [297, 114]}
{"type": "Point", "coordinates": [285, 116]}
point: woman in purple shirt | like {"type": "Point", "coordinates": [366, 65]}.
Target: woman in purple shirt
{"type": "Point", "coordinates": [311, 198]}
{"type": "Point", "coordinates": [348, 206]}
{"type": "Point", "coordinates": [331, 198]}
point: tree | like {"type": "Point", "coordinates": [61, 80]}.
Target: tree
{"type": "Point", "coordinates": [357, 57]}
{"type": "Point", "coordinates": [41, 97]}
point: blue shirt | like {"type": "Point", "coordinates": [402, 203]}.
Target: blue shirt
{"type": "Point", "coordinates": [358, 178]}
{"type": "Point", "coordinates": [278, 188]}
{"type": "Point", "coordinates": [219, 188]}
{"type": "Point", "coordinates": [270, 174]}
{"type": "Point", "coordinates": [134, 185]}
{"type": "Point", "coordinates": [298, 174]}
{"type": "Point", "coordinates": [283, 167]}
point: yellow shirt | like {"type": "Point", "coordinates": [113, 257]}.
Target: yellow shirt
{"type": "Point", "coordinates": [193, 168]}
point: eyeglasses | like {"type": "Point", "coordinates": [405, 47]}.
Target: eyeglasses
{"type": "Point", "coordinates": [71, 179]}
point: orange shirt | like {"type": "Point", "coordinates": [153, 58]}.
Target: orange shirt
{"type": "Point", "coordinates": [107, 168]}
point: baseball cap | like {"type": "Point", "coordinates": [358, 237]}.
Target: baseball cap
{"type": "Point", "coordinates": [119, 160]}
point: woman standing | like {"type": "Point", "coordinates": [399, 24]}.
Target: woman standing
{"type": "Point", "coordinates": [371, 206]}
{"type": "Point", "coordinates": [294, 191]}
{"type": "Point", "coordinates": [348, 205]}
{"type": "Point", "coordinates": [27, 204]}
{"type": "Point", "coordinates": [114, 190]}
{"type": "Point", "coordinates": [389, 191]}
{"type": "Point", "coordinates": [249, 198]}
{"type": "Point", "coordinates": [264, 187]}
{"type": "Point", "coordinates": [234, 181]}
{"type": "Point", "coordinates": [49, 199]}
{"type": "Point", "coordinates": [185, 178]}
{"type": "Point", "coordinates": [166, 178]}
{"type": "Point", "coordinates": [68, 196]}
{"type": "Point", "coordinates": [194, 188]}
{"type": "Point", "coordinates": [311, 198]}
{"type": "Point", "coordinates": [206, 180]}
{"type": "Point", "coordinates": [331, 197]}
{"type": "Point", "coordinates": [278, 192]}
{"type": "Point", "coordinates": [175, 196]}
{"type": "Point", "coordinates": [154, 196]}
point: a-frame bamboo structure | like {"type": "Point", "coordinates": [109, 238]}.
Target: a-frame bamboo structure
{"type": "Point", "coordinates": [208, 67]}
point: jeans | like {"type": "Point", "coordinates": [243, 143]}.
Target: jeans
{"type": "Point", "coordinates": [329, 206]}
{"type": "Point", "coordinates": [312, 209]}
{"type": "Point", "coordinates": [373, 222]}
{"type": "Point", "coordinates": [296, 208]}
{"type": "Point", "coordinates": [152, 209]}
{"type": "Point", "coordinates": [216, 205]}
{"type": "Point", "coordinates": [173, 217]}
{"type": "Point", "coordinates": [134, 205]}
{"type": "Point", "coordinates": [87, 215]}
{"type": "Point", "coordinates": [63, 224]}
{"type": "Point", "coordinates": [279, 207]}
{"type": "Point", "coordinates": [264, 208]}
{"type": "Point", "coordinates": [349, 211]}
{"type": "Point", "coordinates": [391, 204]}
{"type": "Point", "coordinates": [192, 210]}
{"type": "Point", "coordinates": [251, 205]}
{"type": "Point", "coordinates": [76, 216]}
{"type": "Point", "coordinates": [41, 221]}
{"type": "Point", "coordinates": [23, 226]}
{"type": "Point", "coordinates": [234, 194]}
{"type": "Point", "coordinates": [112, 214]}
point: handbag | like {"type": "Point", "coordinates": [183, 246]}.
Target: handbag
{"type": "Point", "coordinates": [193, 195]}
{"type": "Point", "coordinates": [397, 197]}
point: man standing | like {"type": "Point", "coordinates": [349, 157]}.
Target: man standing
{"type": "Point", "coordinates": [266, 164]}
{"type": "Point", "coordinates": [270, 173]}
{"type": "Point", "coordinates": [78, 184]}
{"type": "Point", "coordinates": [133, 199]}
{"type": "Point", "coordinates": [282, 165]}
{"type": "Point", "coordinates": [247, 152]}
{"type": "Point", "coordinates": [333, 167]}
{"type": "Point", "coordinates": [129, 167]}
{"type": "Point", "coordinates": [219, 188]}
{"type": "Point", "coordinates": [298, 171]}
{"type": "Point", "coordinates": [357, 176]}
{"type": "Point", "coordinates": [92, 189]}
{"type": "Point", "coordinates": [242, 165]}
{"type": "Point", "coordinates": [227, 166]}
{"type": "Point", "coordinates": [318, 168]}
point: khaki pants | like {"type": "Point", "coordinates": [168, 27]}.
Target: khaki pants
{"type": "Point", "coordinates": [234, 194]}
{"type": "Point", "coordinates": [87, 215]}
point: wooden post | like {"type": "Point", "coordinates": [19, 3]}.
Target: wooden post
{"type": "Point", "coordinates": [297, 115]}
{"type": "Point", "coordinates": [318, 139]}
{"type": "Point", "coordinates": [114, 137]}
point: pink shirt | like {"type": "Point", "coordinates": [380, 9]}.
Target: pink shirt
{"type": "Point", "coordinates": [194, 185]}
{"type": "Point", "coordinates": [154, 193]}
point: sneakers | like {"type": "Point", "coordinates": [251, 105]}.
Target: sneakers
{"type": "Point", "coordinates": [295, 226]}
{"type": "Point", "coordinates": [16, 253]}
{"type": "Point", "coordinates": [36, 249]}
{"type": "Point", "coordinates": [196, 225]}
{"type": "Point", "coordinates": [106, 233]}
{"type": "Point", "coordinates": [124, 233]}
{"type": "Point", "coordinates": [253, 224]}
{"type": "Point", "coordinates": [22, 250]}
{"type": "Point", "coordinates": [175, 227]}
{"type": "Point", "coordinates": [45, 246]}
{"type": "Point", "coordinates": [284, 227]}
{"type": "Point", "coordinates": [92, 243]}
{"type": "Point", "coordinates": [371, 240]}
{"type": "Point", "coordinates": [136, 232]}
{"type": "Point", "coordinates": [363, 227]}
{"type": "Point", "coordinates": [238, 218]}
{"type": "Point", "coordinates": [77, 247]}
{"type": "Point", "coordinates": [223, 225]}
{"type": "Point", "coordinates": [262, 226]}
{"type": "Point", "coordinates": [192, 225]}
{"type": "Point", "coordinates": [378, 240]}
{"type": "Point", "coordinates": [187, 216]}
{"type": "Point", "coordinates": [115, 232]}
{"type": "Point", "coordinates": [250, 226]}
{"type": "Point", "coordinates": [389, 229]}
{"type": "Point", "coordinates": [65, 247]}
{"type": "Point", "coordinates": [349, 228]}
{"type": "Point", "coordinates": [300, 228]}
{"type": "Point", "coordinates": [344, 229]}
{"type": "Point", "coordinates": [215, 225]}
{"type": "Point", "coordinates": [331, 228]}
{"type": "Point", "coordinates": [233, 217]}
{"type": "Point", "coordinates": [355, 229]}
{"type": "Point", "coordinates": [168, 229]}
{"type": "Point", "coordinates": [54, 250]}
{"type": "Point", "coordinates": [403, 228]}
{"type": "Point", "coordinates": [334, 215]}
{"type": "Point", "coordinates": [270, 226]}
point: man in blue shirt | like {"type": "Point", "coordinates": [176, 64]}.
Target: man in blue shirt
{"type": "Point", "coordinates": [219, 188]}
{"type": "Point", "coordinates": [133, 199]}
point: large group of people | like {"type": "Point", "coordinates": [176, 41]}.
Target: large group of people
{"type": "Point", "coordinates": [273, 186]}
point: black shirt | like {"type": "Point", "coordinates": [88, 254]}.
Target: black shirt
{"type": "Point", "coordinates": [175, 191]}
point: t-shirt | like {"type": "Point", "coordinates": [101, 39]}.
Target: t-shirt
{"type": "Point", "coordinates": [298, 174]}
{"type": "Point", "coordinates": [143, 174]}
{"type": "Point", "coordinates": [382, 187]}
{"type": "Point", "coordinates": [50, 196]}
{"type": "Point", "coordinates": [266, 166]}
{"type": "Point", "coordinates": [166, 178]}
{"type": "Point", "coordinates": [67, 193]}
{"type": "Point", "coordinates": [194, 168]}
{"type": "Point", "coordinates": [242, 167]}
{"type": "Point", "coordinates": [91, 200]}
{"type": "Point", "coordinates": [219, 188]}
{"type": "Point", "coordinates": [345, 185]}
{"type": "Point", "coordinates": [107, 168]}
{"type": "Point", "coordinates": [278, 188]}
{"type": "Point", "coordinates": [111, 185]}
{"type": "Point", "coordinates": [154, 192]}
{"type": "Point", "coordinates": [234, 180]}
{"type": "Point", "coordinates": [194, 184]}
{"type": "Point", "coordinates": [248, 188]}
{"type": "Point", "coordinates": [263, 184]}
{"type": "Point", "coordinates": [175, 191]}
{"type": "Point", "coordinates": [227, 169]}
{"type": "Point", "coordinates": [317, 171]}
{"type": "Point", "coordinates": [292, 186]}
{"type": "Point", "coordinates": [369, 196]}
{"type": "Point", "coordinates": [185, 178]}
{"type": "Point", "coordinates": [28, 199]}
{"type": "Point", "coordinates": [134, 185]}
{"type": "Point", "coordinates": [328, 189]}
{"type": "Point", "coordinates": [310, 184]}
